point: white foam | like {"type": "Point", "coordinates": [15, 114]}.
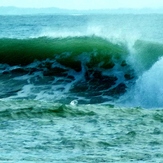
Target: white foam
{"type": "Point", "coordinates": [148, 90]}
{"type": "Point", "coordinates": [74, 102]}
{"type": "Point", "coordinates": [25, 92]}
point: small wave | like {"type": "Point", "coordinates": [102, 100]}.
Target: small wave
{"type": "Point", "coordinates": [27, 109]}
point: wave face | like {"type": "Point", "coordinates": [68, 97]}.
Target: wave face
{"type": "Point", "coordinates": [25, 51]}
{"type": "Point", "coordinates": [90, 69]}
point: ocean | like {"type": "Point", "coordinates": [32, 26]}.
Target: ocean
{"type": "Point", "coordinates": [81, 88]}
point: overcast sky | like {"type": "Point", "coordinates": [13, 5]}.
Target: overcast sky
{"type": "Point", "coordinates": [84, 4]}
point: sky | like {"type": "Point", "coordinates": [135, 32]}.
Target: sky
{"type": "Point", "coordinates": [84, 4]}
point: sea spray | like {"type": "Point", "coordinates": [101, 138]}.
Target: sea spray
{"type": "Point", "coordinates": [148, 89]}
{"type": "Point", "coordinates": [143, 54]}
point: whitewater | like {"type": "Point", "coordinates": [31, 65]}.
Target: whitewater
{"type": "Point", "coordinates": [81, 88]}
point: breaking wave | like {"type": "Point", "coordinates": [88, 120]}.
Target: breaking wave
{"type": "Point", "coordinates": [88, 69]}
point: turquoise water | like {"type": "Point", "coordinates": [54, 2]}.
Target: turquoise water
{"type": "Point", "coordinates": [34, 131]}
{"type": "Point", "coordinates": [81, 88]}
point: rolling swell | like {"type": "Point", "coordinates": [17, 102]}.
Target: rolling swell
{"type": "Point", "coordinates": [26, 109]}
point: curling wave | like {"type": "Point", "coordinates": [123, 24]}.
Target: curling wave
{"type": "Point", "coordinates": [88, 69]}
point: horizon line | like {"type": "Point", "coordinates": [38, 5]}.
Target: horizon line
{"type": "Point", "coordinates": [120, 8]}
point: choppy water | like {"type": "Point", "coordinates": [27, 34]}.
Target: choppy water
{"type": "Point", "coordinates": [81, 88]}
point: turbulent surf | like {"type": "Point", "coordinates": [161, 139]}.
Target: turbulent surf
{"type": "Point", "coordinates": [89, 69]}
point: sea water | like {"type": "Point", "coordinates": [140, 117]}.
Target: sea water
{"type": "Point", "coordinates": [81, 88]}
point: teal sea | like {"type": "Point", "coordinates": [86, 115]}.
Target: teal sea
{"type": "Point", "coordinates": [81, 88]}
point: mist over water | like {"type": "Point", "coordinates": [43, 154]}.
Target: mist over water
{"type": "Point", "coordinates": [147, 91]}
